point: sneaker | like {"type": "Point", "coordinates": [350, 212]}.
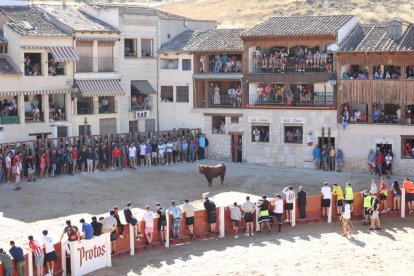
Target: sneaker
{"type": "Point", "coordinates": [252, 234]}
{"type": "Point", "coordinates": [121, 236]}
{"type": "Point", "coordinates": [378, 228]}
{"type": "Point", "coordinates": [371, 229]}
{"type": "Point", "coordinates": [286, 220]}
{"type": "Point", "coordinates": [246, 234]}
{"type": "Point", "coordinates": [383, 211]}
{"type": "Point", "coordinates": [236, 237]}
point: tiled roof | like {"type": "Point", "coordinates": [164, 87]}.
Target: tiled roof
{"type": "Point", "coordinates": [374, 38]}
{"type": "Point", "coordinates": [139, 10]}
{"type": "Point", "coordinates": [179, 42]}
{"type": "Point", "coordinates": [298, 25]}
{"type": "Point", "coordinates": [7, 67]}
{"type": "Point", "coordinates": [215, 40]}
{"type": "Point", "coordinates": [29, 21]}
{"type": "Point", "coordinates": [76, 20]}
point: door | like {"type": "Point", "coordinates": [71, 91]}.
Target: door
{"type": "Point", "coordinates": [236, 148]}
{"type": "Point", "coordinates": [62, 131]}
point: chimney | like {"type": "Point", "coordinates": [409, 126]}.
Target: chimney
{"type": "Point", "coordinates": [394, 28]}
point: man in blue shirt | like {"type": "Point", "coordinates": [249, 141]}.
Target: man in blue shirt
{"type": "Point", "coordinates": [317, 156]}
{"type": "Point", "coordinates": [202, 145]}
{"type": "Point", "coordinates": [175, 211]}
{"type": "Point", "coordinates": [87, 230]}
{"type": "Point", "coordinates": [18, 256]}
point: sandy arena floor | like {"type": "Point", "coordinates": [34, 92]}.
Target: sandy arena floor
{"type": "Point", "coordinates": [46, 204]}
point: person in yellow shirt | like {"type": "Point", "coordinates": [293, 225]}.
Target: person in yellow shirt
{"type": "Point", "coordinates": [337, 191]}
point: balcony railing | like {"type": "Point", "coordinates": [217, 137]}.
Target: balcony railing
{"type": "Point", "coordinates": [293, 65]}
{"type": "Point", "coordinates": [224, 101]}
{"type": "Point", "coordinates": [7, 120]}
{"type": "Point", "coordinates": [291, 100]}
{"type": "Point", "coordinates": [84, 64]}
{"type": "Point", "coordinates": [105, 64]}
{"type": "Point", "coordinates": [95, 64]}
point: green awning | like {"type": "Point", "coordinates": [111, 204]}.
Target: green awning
{"type": "Point", "coordinates": [143, 86]}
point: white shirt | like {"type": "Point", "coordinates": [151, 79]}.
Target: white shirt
{"type": "Point", "coordinates": [235, 213]}
{"type": "Point", "coordinates": [142, 149]}
{"type": "Point", "coordinates": [256, 134]}
{"type": "Point", "coordinates": [132, 151]}
{"type": "Point", "coordinates": [149, 219]}
{"type": "Point", "coordinates": [326, 192]}
{"type": "Point", "coordinates": [48, 243]}
{"type": "Point", "coordinates": [347, 212]}
{"type": "Point", "coordinates": [290, 195]}
{"type": "Point", "coordinates": [161, 149]}
{"type": "Point", "coordinates": [169, 147]}
{"type": "Point", "coordinates": [374, 188]}
{"type": "Point", "coordinates": [248, 207]}
{"type": "Point", "coordinates": [279, 206]}
{"type": "Point", "coordinates": [8, 162]}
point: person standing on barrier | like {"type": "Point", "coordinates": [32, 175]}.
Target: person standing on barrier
{"type": "Point", "coordinates": [6, 261]}
{"type": "Point", "coordinates": [367, 201]}
{"type": "Point", "coordinates": [131, 219]}
{"type": "Point", "coordinates": [162, 221]}
{"type": "Point", "coordinates": [349, 195]}
{"type": "Point", "coordinates": [248, 208]}
{"type": "Point", "coordinates": [264, 216]}
{"type": "Point", "coordinates": [39, 257]}
{"type": "Point", "coordinates": [18, 256]}
{"type": "Point", "coordinates": [409, 194]}
{"type": "Point", "coordinates": [235, 216]}
{"type": "Point", "coordinates": [346, 219]}
{"type": "Point", "coordinates": [374, 211]}
{"type": "Point", "coordinates": [210, 207]}
{"type": "Point", "coordinates": [337, 191]}
{"type": "Point", "coordinates": [51, 256]}
{"type": "Point", "coordinates": [175, 211]}
{"type": "Point", "coordinates": [302, 202]}
{"type": "Point", "coordinates": [188, 209]}
{"type": "Point", "coordinates": [290, 199]}
{"type": "Point", "coordinates": [396, 191]}
{"type": "Point", "coordinates": [326, 199]}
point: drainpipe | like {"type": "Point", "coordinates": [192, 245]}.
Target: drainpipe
{"type": "Point", "coordinates": [158, 75]}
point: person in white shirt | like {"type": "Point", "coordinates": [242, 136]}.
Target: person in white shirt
{"type": "Point", "coordinates": [160, 153]}
{"type": "Point", "coordinates": [235, 216]}
{"type": "Point", "coordinates": [148, 218]}
{"type": "Point", "coordinates": [346, 217]}
{"type": "Point", "coordinates": [132, 153]}
{"type": "Point", "coordinates": [169, 152]}
{"type": "Point", "coordinates": [278, 212]}
{"type": "Point", "coordinates": [374, 188]}
{"type": "Point", "coordinates": [290, 198]}
{"type": "Point", "coordinates": [248, 208]}
{"type": "Point", "coordinates": [50, 257]}
{"type": "Point", "coordinates": [326, 199]}
{"type": "Point", "coordinates": [188, 210]}
{"type": "Point", "coordinates": [256, 135]}
{"type": "Point", "coordinates": [142, 151]}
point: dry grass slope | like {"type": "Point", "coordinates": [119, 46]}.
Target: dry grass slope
{"type": "Point", "coordinates": [247, 13]}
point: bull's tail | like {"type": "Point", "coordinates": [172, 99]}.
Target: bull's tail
{"type": "Point", "coordinates": [223, 173]}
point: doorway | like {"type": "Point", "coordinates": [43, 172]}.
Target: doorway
{"type": "Point", "coordinates": [326, 141]}
{"type": "Point", "coordinates": [236, 143]}
{"type": "Point", "coordinates": [384, 148]}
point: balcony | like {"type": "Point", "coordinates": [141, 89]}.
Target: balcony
{"type": "Point", "coordinates": [218, 94]}
{"type": "Point", "coordinates": [96, 64]}
{"type": "Point", "coordinates": [7, 120]}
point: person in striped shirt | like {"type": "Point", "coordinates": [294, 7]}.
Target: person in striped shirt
{"type": "Point", "coordinates": [39, 257]}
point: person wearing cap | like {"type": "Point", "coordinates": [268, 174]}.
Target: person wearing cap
{"type": "Point", "coordinates": [337, 191]}
{"type": "Point", "coordinates": [235, 216]}
{"type": "Point", "coordinates": [175, 211]}
{"type": "Point", "coordinates": [210, 207]}
{"type": "Point", "coordinates": [302, 202]}
{"type": "Point", "coordinates": [188, 210]}
{"type": "Point", "coordinates": [349, 195]}
{"type": "Point", "coordinates": [148, 218]}
{"type": "Point", "coordinates": [326, 199]}
{"type": "Point", "coordinates": [6, 261]}
{"type": "Point", "coordinates": [18, 256]}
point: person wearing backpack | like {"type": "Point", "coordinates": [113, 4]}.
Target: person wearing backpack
{"type": "Point", "coordinates": [72, 232]}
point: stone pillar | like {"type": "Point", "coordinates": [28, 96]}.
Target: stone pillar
{"type": "Point", "coordinates": [95, 56]}
{"type": "Point", "coordinates": [20, 108]}
{"type": "Point", "coordinates": [403, 109]}
{"type": "Point", "coordinates": [45, 107]}
{"type": "Point", "coordinates": [74, 106]}
{"type": "Point", "coordinates": [95, 105]}
{"type": "Point", "coordinates": [68, 107]}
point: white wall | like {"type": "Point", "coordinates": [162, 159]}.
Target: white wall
{"type": "Point", "coordinates": [346, 29]}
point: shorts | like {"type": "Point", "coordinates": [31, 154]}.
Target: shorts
{"type": "Point", "coordinates": [316, 160]}
{"type": "Point", "coordinates": [74, 162]}
{"type": "Point", "coordinates": [132, 158]}
{"type": "Point", "coordinates": [114, 236]}
{"type": "Point", "coordinates": [289, 206]}
{"type": "Point", "coordinates": [383, 197]}
{"type": "Point", "coordinates": [54, 166]}
{"type": "Point", "coordinates": [189, 221]}
{"type": "Point", "coordinates": [409, 197]}
{"type": "Point", "coordinates": [339, 203]}
{"type": "Point", "coordinates": [174, 153]}
{"type": "Point", "coordinates": [9, 170]}
{"type": "Point", "coordinates": [396, 195]}
{"type": "Point", "coordinates": [39, 260]}
{"type": "Point", "coordinates": [367, 211]}
{"type": "Point", "coordinates": [326, 202]}
{"type": "Point", "coordinates": [350, 201]}
{"type": "Point", "coordinates": [212, 217]}
{"type": "Point", "coordinates": [154, 155]}
{"type": "Point", "coordinates": [117, 160]}
{"type": "Point", "coordinates": [51, 257]}
{"type": "Point", "coordinates": [17, 178]}
{"type": "Point", "coordinates": [236, 222]}
{"type": "Point", "coordinates": [133, 222]}
{"type": "Point", "coordinates": [162, 225]}
{"type": "Point", "coordinates": [248, 217]}
{"type": "Point", "coordinates": [149, 230]}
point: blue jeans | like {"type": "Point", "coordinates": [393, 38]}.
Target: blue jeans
{"type": "Point", "coordinates": [176, 228]}
{"type": "Point", "coordinates": [8, 271]}
{"type": "Point", "coordinates": [1, 176]}
{"type": "Point", "coordinates": [344, 124]}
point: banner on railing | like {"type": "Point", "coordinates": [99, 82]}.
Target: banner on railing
{"type": "Point", "coordinates": [142, 114]}
{"type": "Point", "coordinates": [90, 255]}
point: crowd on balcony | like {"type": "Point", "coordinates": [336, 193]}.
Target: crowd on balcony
{"type": "Point", "coordinates": [140, 102]}
{"type": "Point", "coordinates": [55, 68]}
{"type": "Point", "coordinates": [31, 68]}
{"type": "Point", "coordinates": [8, 108]}
{"type": "Point", "coordinates": [298, 59]}
{"type": "Point", "coordinates": [276, 94]}
{"type": "Point", "coordinates": [233, 97]}
{"type": "Point", "coordinates": [355, 72]}
{"type": "Point", "coordinates": [389, 72]}
{"type": "Point", "coordinates": [221, 63]}
{"type": "Point", "coordinates": [56, 112]}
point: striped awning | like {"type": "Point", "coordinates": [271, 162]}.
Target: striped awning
{"type": "Point", "coordinates": [36, 92]}
{"type": "Point", "coordinates": [83, 38]}
{"type": "Point", "coordinates": [90, 88]}
{"type": "Point", "coordinates": [63, 53]}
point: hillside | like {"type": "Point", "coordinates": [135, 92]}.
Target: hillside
{"type": "Point", "coordinates": [246, 13]}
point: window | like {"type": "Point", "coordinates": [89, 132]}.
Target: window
{"type": "Point", "coordinates": [82, 130]}
{"type": "Point", "coordinates": [167, 93]}
{"type": "Point", "coordinates": [387, 72]}
{"type": "Point", "coordinates": [294, 134]}
{"type": "Point", "coordinates": [106, 104]}
{"type": "Point", "coordinates": [150, 125]}
{"type": "Point", "coordinates": [218, 124]}
{"type": "Point", "coordinates": [33, 108]}
{"type": "Point", "coordinates": [234, 119]}
{"type": "Point", "coordinates": [85, 105]}
{"type": "Point", "coordinates": [107, 126]}
{"type": "Point", "coordinates": [171, 64]}
{"type": "Point", "coordinates": [130, 47]}
{"type": "Point", "coordinates": [407, 144]}
{"type": "Point", "coordinates": [8, 110]}
{"type": "Point", "coordinates": [146, 47]}
{"type": "Point", "coordinates": [186, 65]}
{"type": "Point", "coordinates": [355, 113]}
{"type": "Point", "coordinates": [62, 131]}
{"type": "Point", "coordinates": [55, 68]}
{"type": "Point", "coordinates": [3, 48]}
{"type": "Point", "coordinates": [260, 133]}
{"type": "Point", "coordinates": [57, 110]}
{"type": "Point", "coordinates": [182, 94]}
{"type": "Point", "coordinates": [408, 114]}
{"type": "Point", "coordinates": [409, 72]}
{"type": "Point", "coordinates": [386, 114]}
{"type": "Point", "coordinates": [354, 72]}
{"type": "Point", "coordinates": [133, 126]}
{"type": "Point", "coordinates": [224, 63]}
{"type": "Point", "coordinates": [32, 64]}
